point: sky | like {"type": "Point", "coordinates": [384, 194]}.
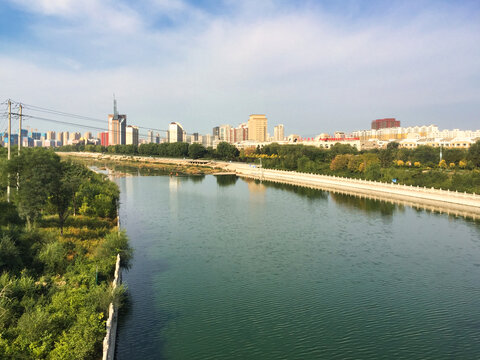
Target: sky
{"type": "Point", "coordinates": [314, 66]}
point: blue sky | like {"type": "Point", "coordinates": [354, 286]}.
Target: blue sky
{"type": "Point", "coordinates": [315, 66]}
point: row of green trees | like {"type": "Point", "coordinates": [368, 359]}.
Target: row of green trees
{"type": "Point", "coordinates": [58, 245]}
{"type": "Point", "coordinates": [224, 150]}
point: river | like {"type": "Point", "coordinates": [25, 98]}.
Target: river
{"type": "Point", "coordinates": [227, 268]}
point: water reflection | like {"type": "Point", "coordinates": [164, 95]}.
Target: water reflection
{"type": "Point", "coordinates": [310, 193]}
{"type": "Point", "coordinates": [255, 186]}
{"type": "Point", "coordinates": [366, 205]}
{"type": "Point", "coordinates": [196, 178]}
{"type": "Point", "coordinates": [226, 180]}
{"type": "Point", "coordinates": [173, 183]}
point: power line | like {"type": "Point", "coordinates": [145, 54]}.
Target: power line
{"type": "Point", "coordinates": [77, 116]}
{"type": "Point", "coordinates": [16, 104]}
{"type": "Point", "coordinates": [90, 127]}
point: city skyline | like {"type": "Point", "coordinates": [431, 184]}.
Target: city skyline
{"type": "Point", "coordinates": [311, 66]}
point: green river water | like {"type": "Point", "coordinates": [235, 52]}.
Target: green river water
{"type": "Point", "coordinates": [226, 268]}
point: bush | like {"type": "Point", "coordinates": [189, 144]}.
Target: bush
{"type": "Point", "coordinates": [114, 243]}
{"type": "Point", "coordinates": [54, 257]}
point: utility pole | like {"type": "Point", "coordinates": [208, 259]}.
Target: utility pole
{"type": "Point", "coordinates": [9, 144]}
{"type": "Point", "coordinates": [20, 129]}
{"type": "Point", "coordinates": [19, 140]}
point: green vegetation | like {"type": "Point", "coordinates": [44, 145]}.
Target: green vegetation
{"type": "Point", "coordinates": [459, 169]}
{"type": "Point", "coordinates": [224, 150]}
{"type": "Point", "coordinates": [58, 247]}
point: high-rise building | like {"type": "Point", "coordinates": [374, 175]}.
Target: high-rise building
{"type": "Point", "coordinates": [240, 133]}
{"type": "Point", "coordinates": [157, 138]}
{"type": "Point", "coordinates": [207, 140]}
{"type": "Point", "coordinates": [117, 125]}
{"type": "Point", "coordinates": [87, 135]}
{"type": "Point", "coordinates": [278, 133]}
{"type": "Point", "coordinates": [385, 123]}
{"type": "Point", "coordinates": [257, 128]}
{"type": "Point", "coordinates": [175, 132]}
{"type": "Point", "coordinates": [150, 138]}
{"type": "Point", "coordinates": [224, 133]}
{"type": "Point", "coordinates": [50, 135]}
{"type": "Point", "coordinates": [75, 136]}
{"type": "Point", "coordinates": [65, 138]}
{"type": "Point", "coordinates": [216, 132]}
{"type": "Point", "coordinates": [131, 135]}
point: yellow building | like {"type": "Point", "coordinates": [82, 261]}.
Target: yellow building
{"type": "Point", "coordinates": [257, 128]}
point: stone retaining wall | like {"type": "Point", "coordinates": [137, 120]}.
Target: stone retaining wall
{"type": "Point", "coordinates": [462, 202]}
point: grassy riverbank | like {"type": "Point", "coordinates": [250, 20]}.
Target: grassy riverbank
{"type": "Point", "coordinates": [144, 167]}
{"type": "Point", "coordinates": [58, 246]}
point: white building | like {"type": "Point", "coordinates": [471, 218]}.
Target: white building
{"type": "Point", "coordinates": [278, 133]}
{"type": "Point", "coordinates": [131, 135]}
{"type": "Point", "coordinates": [175, 132]}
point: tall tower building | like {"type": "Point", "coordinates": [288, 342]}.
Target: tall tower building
{"type": "Point", "coordinates": [257, 128]}
{"type": "Point", "coordinates": [278, 133]}
{"type": "Point", "coordinates": [117, 125]}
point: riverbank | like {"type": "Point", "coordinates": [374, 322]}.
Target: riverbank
{"type": "Point", "coordinates": [169, 165]}
{"type": "Point", "coordinates": [463, 204]}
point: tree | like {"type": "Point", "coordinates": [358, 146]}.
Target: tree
{"type": "Point", "coordinates": [63, 196]}
{"type": "Point", "coordinates": [9, 214]}
{"type": "Point", "coordinates": [426, 154]}
{"type": "Point", "coordinates": [473, 154]}
{"type": "Point", "coordinates": [393, 145]}
{"type": "Point", "coordinates": [196, 151]}
{"type": "Point", "coordinates": [340, 162]}
{"type": "Point", "coordinates": [226, 151]}
{"type": "Point", "coordinates": [39, 171]}
{"type": "Point", "coordinates": [373, 171]}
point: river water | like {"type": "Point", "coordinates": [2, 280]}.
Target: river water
{"type": "Point", "coordinates": [226, 268]}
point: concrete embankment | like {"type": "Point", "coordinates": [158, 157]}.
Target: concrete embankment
{"type": "Point", "coordinates": [111, 335]}
{"type": "Point", "coordinates": [453, 202]}
{"type": "Point", "coordinates": [434, 199]}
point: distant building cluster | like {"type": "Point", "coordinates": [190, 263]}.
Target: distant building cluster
{"type": "Point", "coordinates": [252, 133]}
{"type": "Point", "coordinates": [33, 138]}
{"type": "Point", "coordinates": [413, 136]}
